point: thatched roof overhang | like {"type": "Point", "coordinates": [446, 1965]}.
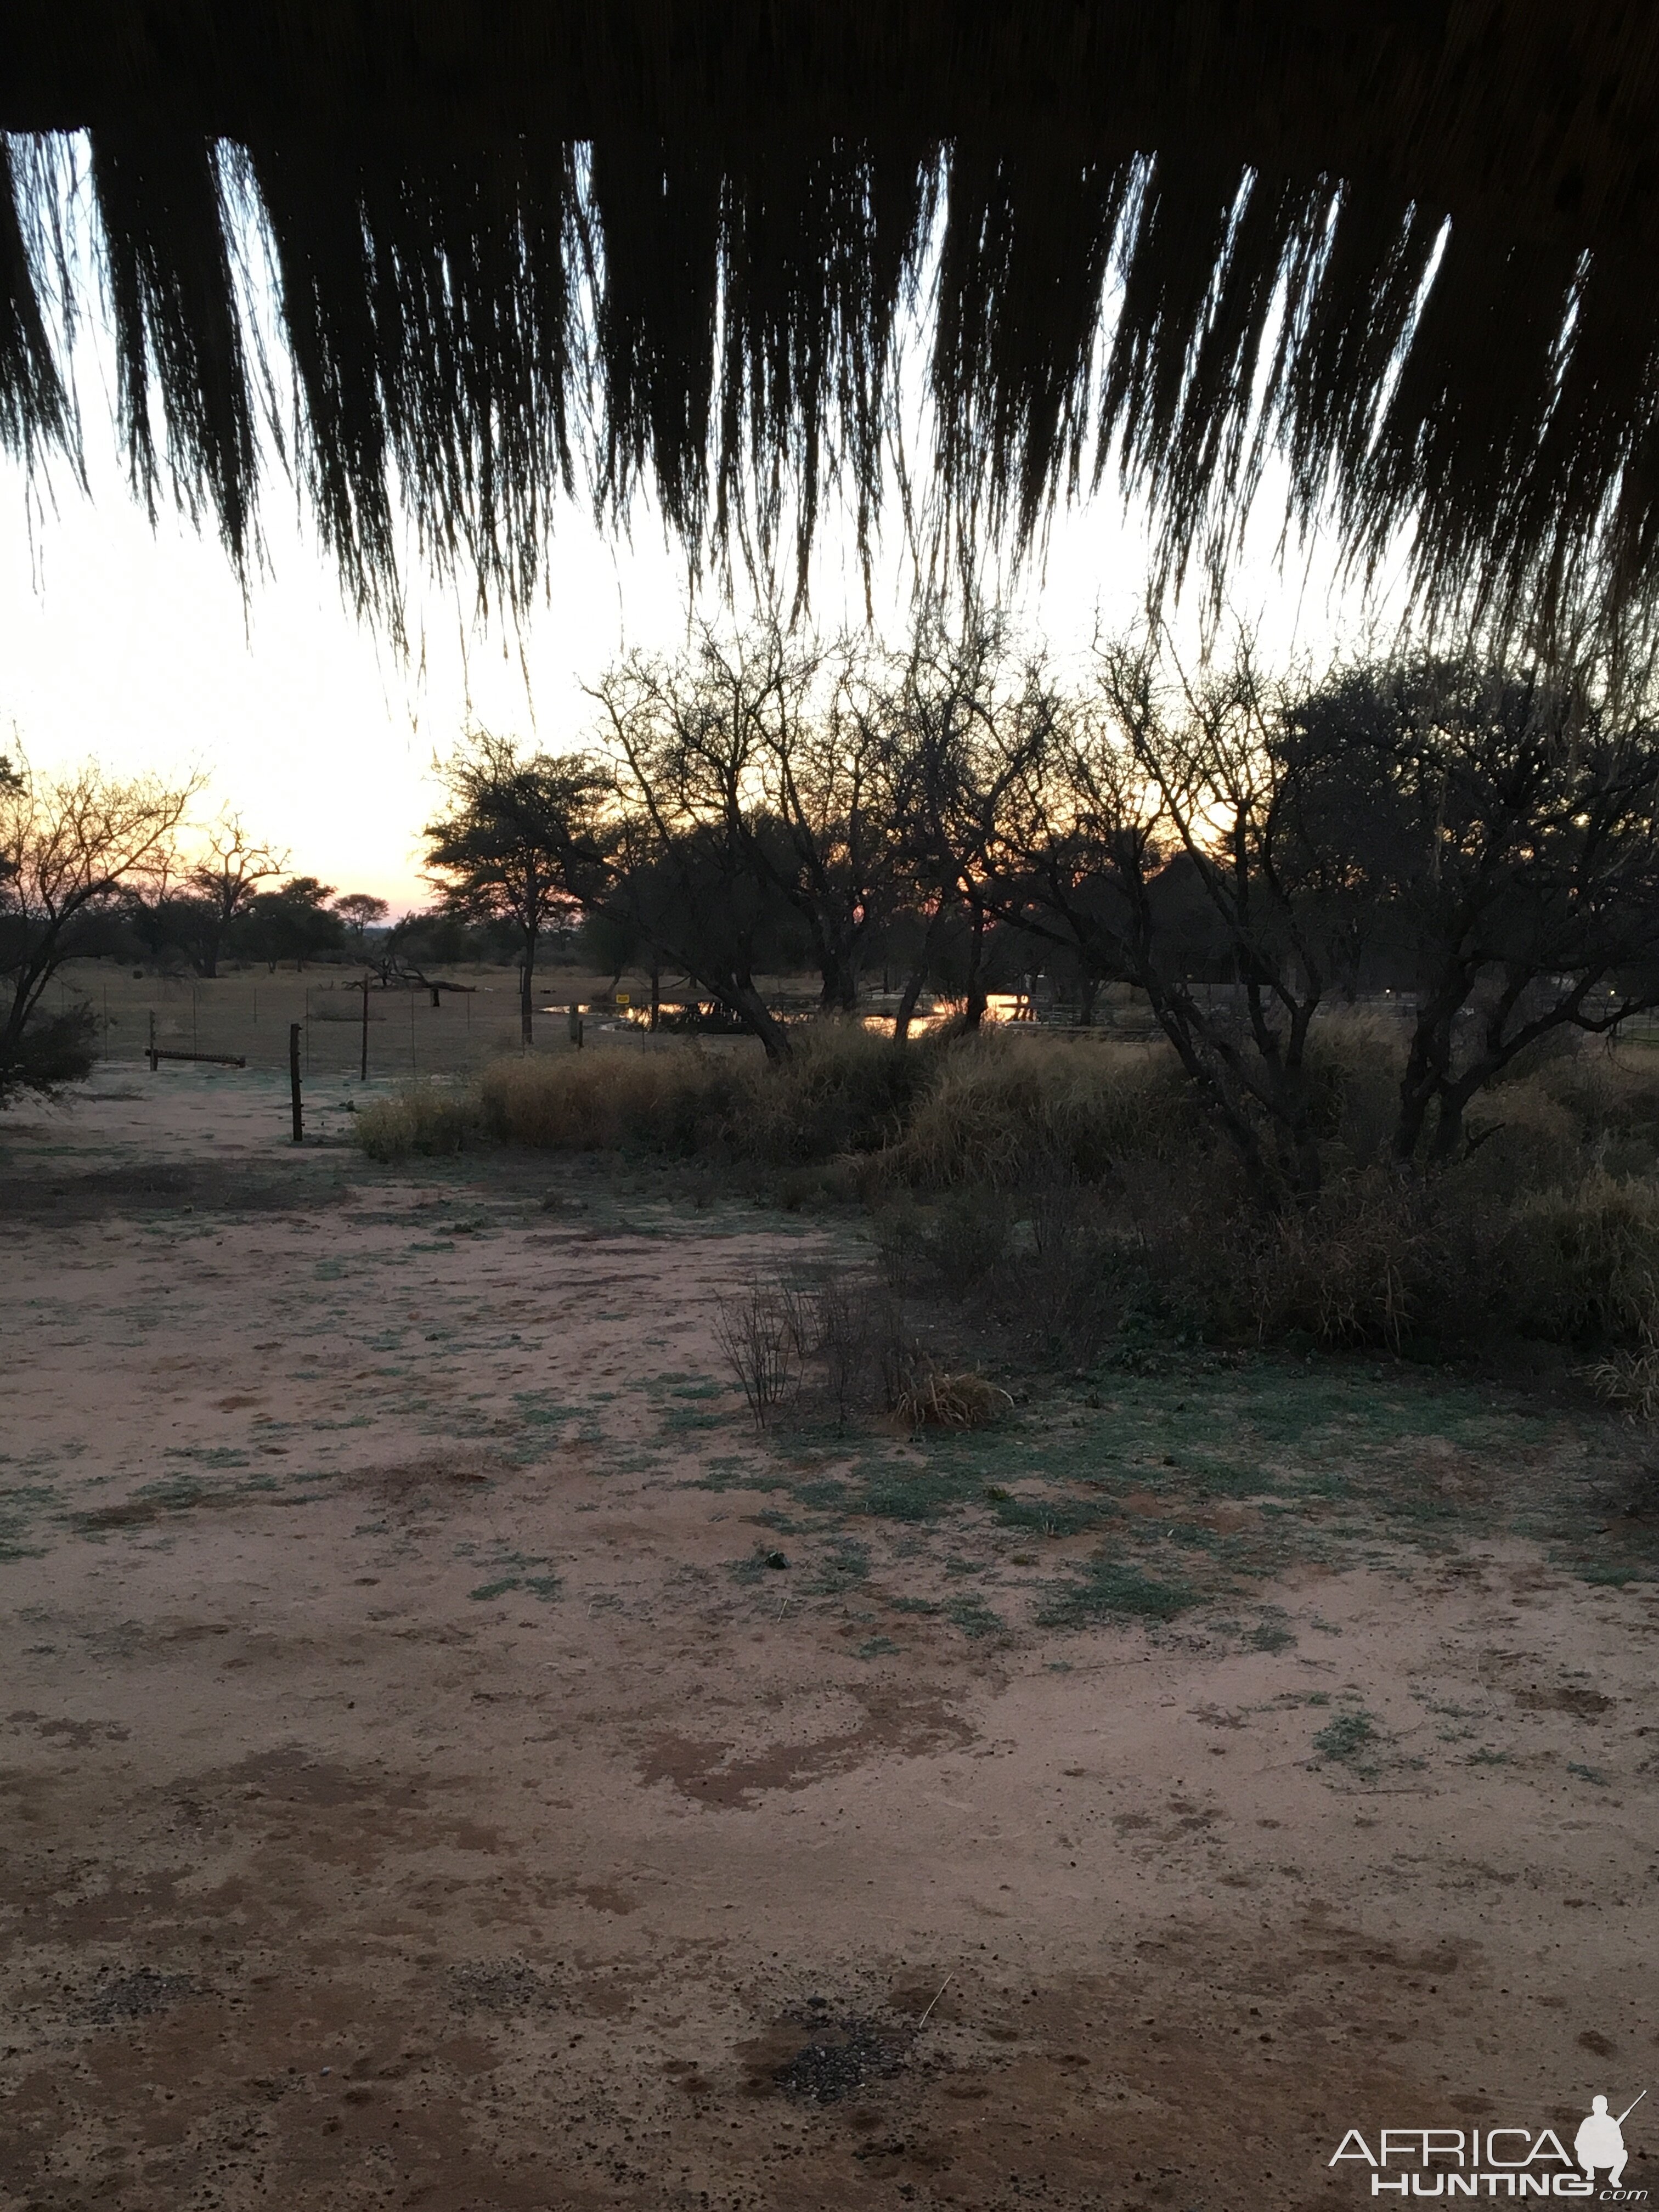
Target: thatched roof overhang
{"type": "Point", "coordinates": [704, 218]}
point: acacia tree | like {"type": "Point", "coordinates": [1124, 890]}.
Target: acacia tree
{"type": "Point", "coordinates": [1487, 840]}
{"type": "Point", "coordinates": [826, 778]}
{"type": "Point", "coordinates": [68, 847]}
{"type": "Point", "coordinates": [222, 885]}
{"type": "Point", "coordinates": [521, 843]}
{"type": "Point", "coordinates": [1224, 828]}
{"type": "Point", "coordinates": [293, 922]}
{"type": "Point", "coordinates": [1504, 824]}
{"type": "Point", "coordinates": [360, 911]}
{"type": "Point", "coordinates": [1154, 840]}
{"type": "Point", "coordinates": [969, 727]}
{"type": "Point", "coordinates": [690, 745]}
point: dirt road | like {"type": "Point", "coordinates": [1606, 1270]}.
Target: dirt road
{"type": "Point", "coordinates": [449, 1761]}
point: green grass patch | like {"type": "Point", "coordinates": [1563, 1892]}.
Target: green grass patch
{"type": "Point", "coordinates": [1347, 1738]}
{"type": "Point", "coordinates": [841, 1565]}
{"type": "Point", "coordinates": [974, 1618]}
{"type": "Point", "coordinates": [1053, 1517]}
{"type": "Point", "coordinates": [1270, 1634]}
{"type": "Point", "coordinates": [679, 1419]}
{"type": "Point", "coordinates": [1113, 1590]}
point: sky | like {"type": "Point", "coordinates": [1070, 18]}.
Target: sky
{"type": "Point", "coordinates": [135, 647]}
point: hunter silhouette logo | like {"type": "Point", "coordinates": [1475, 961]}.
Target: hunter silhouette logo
{"type": "Point", "coordinates": [1494, 2162]}
{"type": "Point", "coordinates": [1600, 2141]}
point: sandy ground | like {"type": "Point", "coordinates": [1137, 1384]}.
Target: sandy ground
{"type": "Point", "coordinates": [416, 1789]}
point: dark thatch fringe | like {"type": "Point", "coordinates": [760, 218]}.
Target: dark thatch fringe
{"type": "Point", "coordinates": [715, 322]}
{"type": "Point", "coordinates": [173, 303]}
{"type": "Point", "coordinates": [35, 409]}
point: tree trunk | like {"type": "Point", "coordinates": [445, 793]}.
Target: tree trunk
{"type": "Point", "coordinates": [916, 978]}
{"type": "Point", "coordinates": [1085, 1013]}
{"type": "Point", "coordinates": [656, 993]}
{"type": "Point", "coordinates": [973, 1013]}
{"type": "Point", "coordinates": [907, 1004]}
{"type": "Point", "coordinates": [1453, 1099]}
{"type": "Point", "coordinates": [747, 1004]}
{"type": "Point", "coordinates": [527, 991]}
{"type": "Point", "coordinates": [838, 967]}
{"type": "Point", "coordinates": [1417, 1089]}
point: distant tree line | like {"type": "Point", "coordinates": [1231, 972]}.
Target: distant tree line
{"type": "Point", "coordinates": [1479, 838]}
{"type": "Point", "coordinates": [90, 867]}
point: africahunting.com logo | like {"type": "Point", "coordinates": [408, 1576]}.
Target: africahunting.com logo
{"type": "Point", "coordinates": [1498, 2162]}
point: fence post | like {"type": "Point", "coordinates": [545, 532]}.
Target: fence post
{"type": "Point", "coordinates": [293, 1079]}
{"type": "Point", "coordinates": [150, 1050]}
{"type": "Point", "coordinates": [363, 1072]}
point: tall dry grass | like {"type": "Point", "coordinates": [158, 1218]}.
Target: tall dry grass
{"type": "Point", "coordinates": [1072, 1182]}
{"type": "Point", "coordinates": [429, 1117]}
{"type": "Point", "coordinates": [1005, 1112]}
{"type": "Point", "coordinates": [843, 1091]}
{"type": "Point", "coordinates": [599, 1101]}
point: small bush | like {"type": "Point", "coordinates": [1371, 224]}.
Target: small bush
{"type": "Point", "coordinates": [1351, 1270]}
{"type": "Point", "coordinates": [1069, 1285]}
{"type": "Point", "coordinates": [52, 1050]}
{"type": "Point", "coordinates": [675, 1101]}
{"type": "Point", "coordinates": [1630, 1380]}
{"type": "Point", "coordinates": [422, 1117]}
{"type": "Point", "coordinates": [1356, 1061]}
{"type": "Point", "coordinates": [1521, 1139]}
{"type": "Point", "coordinates": [952, 1401]}
{"type": "Point", "coordinates": [1583, 1264]}
{"type": "Point", "coordinates": [844, 1090]}
{"type": "Point", "coordinates": [1002, 1110]}
{"type": "Point", "coordinates": [964, 1239]}
{"type": "Point", "coordinates": [756, 1335]}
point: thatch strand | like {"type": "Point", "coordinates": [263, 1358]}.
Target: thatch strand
{"type": "Point", "coordinates": [34, 410]}
{"type": "Point", "coordinates": [715, 324]}
{"type": "Point", "coordinates": [173, 309]}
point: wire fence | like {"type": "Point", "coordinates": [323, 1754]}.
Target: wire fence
{"type": "Point", "coordinates": [245, 1016]}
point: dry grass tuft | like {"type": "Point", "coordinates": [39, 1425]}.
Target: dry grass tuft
{"type": "Point", "coordinates": [429, 1117]}
{"type": "Point", "coordinates": [1004, 1110]}
{"type": "Point", "coordinates": [1630, 1380]}
{"type": "Point", "coordinates": [1065, 1184]}
{"type": "Point", "coordinates": [1584, 1262]}
{"type": "Point", "coordinates": [1348, 1271]}
{"type": "Point", "coordinates": [598, 1100]}
{"type": "Point", "coordinates": [953, 1401]}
